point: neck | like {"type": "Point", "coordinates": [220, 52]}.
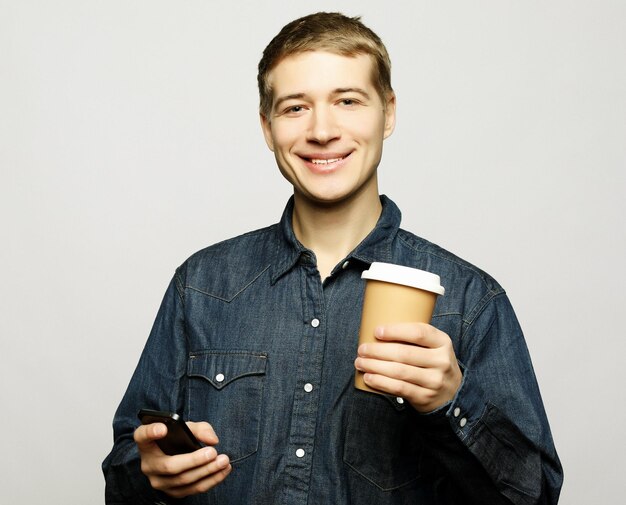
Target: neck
{"type": "Point", "coordinates": [332, 231]}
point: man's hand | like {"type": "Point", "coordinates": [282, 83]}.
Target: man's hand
{"type": "Point", "coordinates": [184, 474]}
{"type": "Point", "coordinates": [415, 361]}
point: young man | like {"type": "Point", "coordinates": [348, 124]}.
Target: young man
{"type": "Point", "coordinates": [257, 335]}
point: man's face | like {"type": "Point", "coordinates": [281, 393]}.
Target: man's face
{"type": "Point", "coordinates": [327, 125]}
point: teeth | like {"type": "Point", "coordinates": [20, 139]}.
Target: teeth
{"type": "Point", "coordinates": [325, 162]}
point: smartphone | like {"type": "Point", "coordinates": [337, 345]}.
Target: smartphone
{"type": "Point", "coordinates": [179, 439]}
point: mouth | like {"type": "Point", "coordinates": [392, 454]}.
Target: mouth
{"type": "Point", "coordinates": [325, 162]}
{"type": "Point", "coordinates": [317, 161]}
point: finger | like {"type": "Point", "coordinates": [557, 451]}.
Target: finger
{"type": "Point", "coordinates": [204, 432]}
{"type": "Point", "coordinates": [421, 334]}
{"type": "Point", "coordinates": [173, 465]}
{"type": "Point", "coordinates": [422, 399]}
{"type": "Point", "coordinates": [405, 353]}
{"type": "Point", "coordinates": [424, 377]}
{"type": "Point", "coordinates": [190, 477]}
{"type": "Point", "coordinates": [145, 435]}
{"type": "Point", "coordinates": [202, 485]}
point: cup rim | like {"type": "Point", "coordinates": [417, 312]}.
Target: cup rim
{"type": "Point", "coordinates": [405, 276]}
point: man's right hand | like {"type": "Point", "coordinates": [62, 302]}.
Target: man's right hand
{"type": "Point", "coordinates": [184, 474]}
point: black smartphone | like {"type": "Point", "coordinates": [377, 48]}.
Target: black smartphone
{"type": "Point", "coordinates": [179, 439]}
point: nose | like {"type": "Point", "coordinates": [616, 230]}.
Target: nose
{"type": "Point", "coordinates": [323, 127]}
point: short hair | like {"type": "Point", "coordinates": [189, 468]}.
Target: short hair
{"type": "Point", "coordinates": [325, 31]}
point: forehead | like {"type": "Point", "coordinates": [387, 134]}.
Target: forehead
{"type": "Point", "coordinates": [317, 71]}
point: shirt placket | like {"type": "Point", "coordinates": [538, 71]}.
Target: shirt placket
{"type": "Point", "coordinates": [306, 396]}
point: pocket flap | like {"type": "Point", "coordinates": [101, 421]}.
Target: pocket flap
{"type": "Point", "coordinates": [398, 403]}
{"type": "Point", "coordinates": [222, 368]}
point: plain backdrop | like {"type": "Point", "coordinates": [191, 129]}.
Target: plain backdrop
{"type": "Point", "coordinates": [129, 138]}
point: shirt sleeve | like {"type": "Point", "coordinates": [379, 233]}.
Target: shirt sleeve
{"type": "Point", "coordinates": [493, 441]}
{"type": "Point", "coordinates": [158, 383]}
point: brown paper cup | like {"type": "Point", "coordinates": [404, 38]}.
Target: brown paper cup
{"type": "Point", "coordinates": [395, 294]}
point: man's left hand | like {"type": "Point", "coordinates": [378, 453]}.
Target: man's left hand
{"type": "Point", "coordinates": [415, 361]}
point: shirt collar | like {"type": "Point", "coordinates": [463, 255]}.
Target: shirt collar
{"type": "Point", "coordinates": [374, 247]}
{"type": "Point", "coordinates": [377, 246]}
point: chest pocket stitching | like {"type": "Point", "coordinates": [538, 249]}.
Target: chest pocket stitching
{"type": "Point", "coordinates": [232, 365]}
{"type": "Point", "coordinates": [244, 373]}
{"type": "Point", "coordinates": [380, 470]}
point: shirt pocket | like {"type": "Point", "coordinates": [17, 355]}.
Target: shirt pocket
{"type": "Point", "coordinates": [382, 443]}
{"type": "Point", "coordinates": [226, 389]}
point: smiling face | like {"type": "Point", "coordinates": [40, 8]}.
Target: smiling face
{"type": "Point", "coordinates": [327, 125]}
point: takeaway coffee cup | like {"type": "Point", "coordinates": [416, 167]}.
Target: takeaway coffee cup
{"type": "Point", "coordinates": [395, 294]}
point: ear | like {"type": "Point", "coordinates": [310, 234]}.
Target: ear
{"type": "Point", "coordinates": [267, 131]}
{"type": "Point", "coordinates": [390, 114]}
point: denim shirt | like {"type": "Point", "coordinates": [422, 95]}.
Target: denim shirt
{"type": "Point", "coordinates": [249, 339]}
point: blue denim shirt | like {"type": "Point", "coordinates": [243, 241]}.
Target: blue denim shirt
{"type": "Point", "coordinates": [249, 339]}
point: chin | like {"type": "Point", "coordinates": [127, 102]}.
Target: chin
{"type": "Point", "coordinates": [328, 198]}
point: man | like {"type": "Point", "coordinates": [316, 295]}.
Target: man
{"type": "Point", "coordinates": [257, 335]}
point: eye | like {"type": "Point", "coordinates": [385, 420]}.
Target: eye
{"type": "Point", "coordinates": [349, 102]}
{"type": "Point", "coordinates": [293, 110]}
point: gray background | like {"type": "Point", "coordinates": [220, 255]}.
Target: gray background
{"type": "Point", "coordinates": [129, 138]}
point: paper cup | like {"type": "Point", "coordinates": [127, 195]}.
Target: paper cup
{"type": "Point", "coordinates": [395, 294]}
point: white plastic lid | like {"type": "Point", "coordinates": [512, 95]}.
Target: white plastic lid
{"type": "Point", "coordinates": [405, 276]}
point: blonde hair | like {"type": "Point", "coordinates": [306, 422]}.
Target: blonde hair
{"type": "Point", "coordinates": [324, 31]}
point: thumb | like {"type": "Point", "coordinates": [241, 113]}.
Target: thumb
{"type": "Point", "coordinates": [204, 432]}
{"type": "Point", "coordinates": [145, 435]}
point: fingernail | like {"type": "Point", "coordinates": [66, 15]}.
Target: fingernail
{"type": "Point", "coordinates": [210, 453]}
{"type": "Point", "coordinates": [379, 331]}
{"type": "Point", "coordinates": [159, 430]}
{"type": "Point", "coordinates": [222, 461]}
{"type": "Point", "coordinates": [357, 364]}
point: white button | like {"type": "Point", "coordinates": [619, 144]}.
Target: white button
{"type": "Point", "coordinates": [315, 323]}
{"type": "Point", "coordinates": [463, 422]}
{"type": "Point", "coordinates": [400, 400]}
{"type": "Point", "coordinates": [300, 453]}
{"type": "Point", "coordinates": [219, 377]}
{"type": "Point", "coordinates": [308, 387]}
{"type": "Point", "coordinates": [345, 264]}
{"type": "Point", "coordinates": [457, 412]}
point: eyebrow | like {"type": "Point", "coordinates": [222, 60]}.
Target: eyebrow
{"type": "Point", "coordinates": [361, 91]}
{"type": "Point", "coordinates": [294, 96]}
{"type": "Point", "coordinates": [336, 91]}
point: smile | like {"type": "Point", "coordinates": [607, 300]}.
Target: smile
{"type": "Point", "coordinates": [325, 162]}
{"type": "Point", "coordinates": [322, 159]}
